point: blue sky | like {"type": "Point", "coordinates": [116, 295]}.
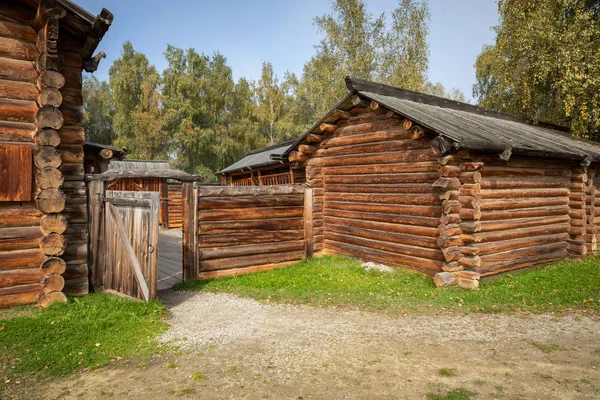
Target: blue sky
{"type": "Point", "coordinates": [281, 32]}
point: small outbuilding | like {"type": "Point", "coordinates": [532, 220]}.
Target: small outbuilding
{"type": "Point", "coordinates": [170, 192]}
{"type": "Point", "coordinates": [263, 167]}
{"type": "Point", "coordinates": [446, 187]}
{"type": "Point", "coordinates": [45, 45]}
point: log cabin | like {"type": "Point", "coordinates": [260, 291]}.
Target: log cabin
{"type": "Point", "coordinates": [444, 187]}
{"type": "Point", "coordinates": [45, 45]}
{"type": "Point", "coordinates": [170, 192]}
{"type": "Point", "coordinates": [263, 167]}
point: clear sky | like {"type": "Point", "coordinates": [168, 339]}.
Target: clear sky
{"type": "Point", "coordinates": [249, 32]}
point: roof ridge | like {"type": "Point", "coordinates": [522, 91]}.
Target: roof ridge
{"type": "Point", "coordinates": [362, 85]}
{"type": "Point", "coordinates": [273, 146]}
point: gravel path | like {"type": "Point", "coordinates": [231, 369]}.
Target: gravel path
{"type": "Point", "coordinates": [237, 348]}
{"type": "Point", "coordinates": [209, 318]}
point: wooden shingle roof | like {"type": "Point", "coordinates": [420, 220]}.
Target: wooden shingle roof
{"type": "Point", "coordinates": [259, 158]}
{"type": "Point", "coordinates": [472, 127]}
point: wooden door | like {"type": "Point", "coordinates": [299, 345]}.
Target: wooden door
{"type": "Point", "coordinates": [131, 242]}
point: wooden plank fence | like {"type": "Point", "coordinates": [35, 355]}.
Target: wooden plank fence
{"type": "Point", "coordinates": [246, 229]}
{"type": "Point", "coordinates": [175, 206]}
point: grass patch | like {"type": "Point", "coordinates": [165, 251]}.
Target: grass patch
{"type": "Point", "coordinates": [337, 281]}
{"type": "Point", "coordinates": [447, 372]}
{"type": "Point", "coordinates": [86, 333]}
{"type": "Point", "coordinates": [198, 376]}
{"type": "Point", "coordinates": [456, 394]}
{"type": "Point", "coordinates": [544, 375]}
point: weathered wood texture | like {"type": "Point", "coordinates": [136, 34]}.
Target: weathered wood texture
{"type": "Point", "coordinates": [15, 172]}
{"type": "Point", "coordinates": [147, 185]}
{"type": "Point", "coordinates": [524, 213]}
{"type": "Point", "coordinates": [175, 206]}
{"type": "Point", "coordinates": [373, 194]}
{"type": "Point", "coordinates": [592, 211]}
{"type": "Point", "coordinates": [250, 228]}
{"type": "Point", "coordinates": [131, 243]}
{"type": "Point", "coordinates": [21, 275]}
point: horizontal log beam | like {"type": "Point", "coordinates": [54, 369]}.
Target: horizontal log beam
{"type": "Point", "coordinates": [426, 222]}
{"type": "Point", "coordinates": [250, 260]}
{"type": "Point", "coordinates": [232, 214]}
{"type": "Point", "coordinates": [251, 250]}
{"type": "Point", "coordinates": [249, 225]}
{"type": "Point", "coordinates": [411, 232]}
{"type": "Point", "coordinates": [423, 211]}
{"type": "Point", "coordinates": [394, 259]}
{"type": "Point", "coordinates": [17, 70]}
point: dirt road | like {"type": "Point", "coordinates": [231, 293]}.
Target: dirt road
{"type": "Point", "coordinates": [235, 348]}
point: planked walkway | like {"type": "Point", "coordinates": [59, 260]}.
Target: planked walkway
{"type": "Point", "coordinates": [170, 256]}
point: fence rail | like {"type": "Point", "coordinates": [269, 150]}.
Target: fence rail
{"type": "Point", "coordinates": [248, 229]}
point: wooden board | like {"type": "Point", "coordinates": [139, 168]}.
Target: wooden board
{"type": "Point", "coordinates": [131, 237]}
{"type": "Point", "coordinates": [15, 172]}
{"type": "Point", "coordinates": [250, 228]}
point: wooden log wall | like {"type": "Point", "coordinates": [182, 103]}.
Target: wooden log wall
{"type": "Point", "coordinates": [175, 207]}
{"type": "Point", "coordinates": [372, 173]}
{"type": "Point", "coordinates": [32, 234]}
{"type": "Point", "coordinates": [72, 138]}
{"type": "Point", "coordinates": [578, 203]}
{"type": "Point", "coordinates": [249, 229]}
{"type": "Point", "coordinates": [524, 215]}
{"type": "Point", "coordinates": [592, 211]}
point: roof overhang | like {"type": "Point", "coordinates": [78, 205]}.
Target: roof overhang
{"type": "Point", "coordinates": [481, 130]}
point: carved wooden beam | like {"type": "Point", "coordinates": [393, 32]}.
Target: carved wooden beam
{"type": "Point", "coordinates": [96, 33]}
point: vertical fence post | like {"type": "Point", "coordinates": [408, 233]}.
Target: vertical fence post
{"type": "Point", "coordinates": [308, 222]}
{"type": "Point", "coordinates": [189, 198]}
{"type": "Point", "coordinates": [95, 248]}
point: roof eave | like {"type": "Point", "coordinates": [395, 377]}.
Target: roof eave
{"type": "Point", "coordinates": [250, 167]}
{"type": "Point", "coordinates": [301, 138]}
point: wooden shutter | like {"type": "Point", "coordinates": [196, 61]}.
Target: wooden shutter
{"type": "Point", "coordinates": [15, 172]}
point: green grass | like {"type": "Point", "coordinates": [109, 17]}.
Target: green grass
{"type": "Point", "coordinates": [337, 281]}
{"type": "Point", "coordinates": [199, 376]}
{"type": "Point", "coordinates": [447, 372]}
{"type": "Point", "coordinates": [86, 333]}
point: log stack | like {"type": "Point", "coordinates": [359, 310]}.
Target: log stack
{"type": "Point", "coordinates": [593, 215]}
{"type": "Point", "coordinates": [592, 211]}
{"type": "Point", "coordinates": [459, 188]}
{"type": "Point", "coordinates": [578, 205]}
{"type": "Point", "coordinates": [49, 120]}
{"type": "Point", "coordinates": [314, 180]}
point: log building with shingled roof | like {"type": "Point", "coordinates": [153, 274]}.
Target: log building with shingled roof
{"type": "Point", "coordinates": [263, 167]}
{"type": "Point", "coordinates": [45, 45]}
{"type": "Point", "coordinates": [444, 187]}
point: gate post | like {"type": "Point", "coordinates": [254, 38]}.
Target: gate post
{"type": "Point", "coordinates": [308, 222]}
{"type": "Point", "coordinates": [96, 232]}
{"type": "Point", "coordinates": [189, 198]}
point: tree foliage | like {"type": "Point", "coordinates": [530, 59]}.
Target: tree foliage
{"type": "Point", "coordinates": [199, 118]}
{"type": "Point", "coordinates": [99, 111]}
{"type": "Point", "coordinates": [210, 118]}
{"type": "Point", "coordinates": [356, 44]}
{"type": "Point", "coordinates": [405, 54]}
{"type": "Point", "coordinates": [545, 64]}
{"type": "Point", "coordinates": [134, 84]}
{"type": "Point", "coordinates": [437, 89]}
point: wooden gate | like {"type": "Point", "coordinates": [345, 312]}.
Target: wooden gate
{"type": "Point", "coordinates": [131, 222]}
